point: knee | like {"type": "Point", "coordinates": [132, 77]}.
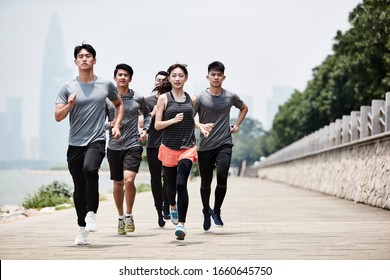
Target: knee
{"type": "Point", "coordinates": [181, 186]}
{"type": "Point", "coordinates": [129, 181]}
{"type": "Point", "coordinates": [89, 170]}
{"type": "Point", "coordinates": [222, 176]}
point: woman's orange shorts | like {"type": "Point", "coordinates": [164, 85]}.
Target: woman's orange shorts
{"type": "Point", "coordinates": [171, 158]}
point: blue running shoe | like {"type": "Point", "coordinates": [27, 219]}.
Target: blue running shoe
{"type": "Point", "coordinates": [180, 232]}
{"type": "Point", "coordinates": [174, 216]}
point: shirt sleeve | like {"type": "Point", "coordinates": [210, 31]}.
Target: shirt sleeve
{"type": "Point", "coordinates": [62, 97]}
{"type": "Point", "coordinates": [146, 112]}
{"type": "Point", "coordinates": [112, 92]}
{"type": "Point", "coordinates": [197, 104]}
{"type": "Point", "coordinates": [237, 101]}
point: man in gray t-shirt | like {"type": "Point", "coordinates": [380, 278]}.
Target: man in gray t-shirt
{"type": "Point", "coordinates": [83, 99]}
{"type": "Point", "coordinates": [125, 155]}
{"type": "Point", "coordinates": [213, 107]}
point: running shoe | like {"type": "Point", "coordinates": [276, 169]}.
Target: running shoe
{"type": "Point", "coordinates": [129, 224]}
{"type": "Point", "coordinates": [81, 237]}
{"type": "Point", "coordinates": [90, 220]}
{"type": "Point", "coordinates": [180, 232]}
{"type": "Point", "coordinates": [216, 215]}
{"type": "Point", "coordinates": [121, 227]}
{"type": "Point", "coordinates": [174, 216]}
{"type": "Point", "coordinates": [161, 221]}
{"type": "Point", "coordinates": [207, 220]}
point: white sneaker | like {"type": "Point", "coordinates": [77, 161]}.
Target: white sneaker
{"type": "Point", "coordinates": [90, 219]}
{"type": "Point", "coordinates": [81, 237]}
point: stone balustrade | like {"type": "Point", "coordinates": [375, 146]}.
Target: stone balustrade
{"type": "Point", "coordinates": [349, 158]}
{"type": "Point", "coordinates": [369, 121]}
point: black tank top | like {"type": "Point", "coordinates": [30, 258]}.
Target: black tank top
{"type": "Point", "coordinates": [182, 134]}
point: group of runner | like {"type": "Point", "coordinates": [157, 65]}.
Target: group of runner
{"type": "Point", "coordinates": [167, 119]}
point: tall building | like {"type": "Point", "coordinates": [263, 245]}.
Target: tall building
{"type": "Point", "coordinates": [53, 136]}
{"type": "Point", "coordinates": [280, 94]}
{"type": "Point", "coordinates": [11, 142]}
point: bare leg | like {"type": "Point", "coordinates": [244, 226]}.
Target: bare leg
{"type": "Point", "coordinates": [129, 178]}
{"type": "Point", "coordinates": [119, 196]}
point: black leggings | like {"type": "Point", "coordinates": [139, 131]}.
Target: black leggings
{"type": "Point", "coordinates": [218, 159]}
{"type": "Point", "coordinates": [83, 165]}
{"type": "Point", "coordinates": [177, 178]}
{"type": "Point", "coordinates": [159, 188]}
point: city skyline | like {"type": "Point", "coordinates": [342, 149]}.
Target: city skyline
{"type": "Point", "coordinates": [53, 136]}
{"type": "Point", "coordinates": [262, 44]}
{"type": "Point", "coordinates": [11, 144]}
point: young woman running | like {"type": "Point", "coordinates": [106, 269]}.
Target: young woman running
{"type": "Point", "coordinates": [177, 150]}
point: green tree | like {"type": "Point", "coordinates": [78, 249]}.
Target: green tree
{"type": "Point", "coordinates": [289, 121]}
{"type": "Point", "coordinates": [363, 56]}
{"type": "Point", "coordinates": [246, 142]}
{"type": "Point", "coordinates": [356, 73]}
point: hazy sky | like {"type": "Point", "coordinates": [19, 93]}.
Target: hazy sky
{"type": "Point", "coordinates": [262, 43]}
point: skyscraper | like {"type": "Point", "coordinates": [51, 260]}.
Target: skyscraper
{"type": "Point", "coordinates": [53, 136]}
{"type": "Point", "coordinates": [280, 94]}
{"type": "Point", "coordinates": [11, 143]}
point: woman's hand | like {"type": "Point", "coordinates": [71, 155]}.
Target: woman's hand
{"type": "Point", "coordinates": [178, 118]}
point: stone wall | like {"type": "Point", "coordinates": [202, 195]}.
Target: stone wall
{"type": "Point", "coordinates": [358, 171]}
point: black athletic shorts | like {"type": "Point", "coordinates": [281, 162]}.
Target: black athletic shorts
{"type": "Point", "coordinates": [120, 161]}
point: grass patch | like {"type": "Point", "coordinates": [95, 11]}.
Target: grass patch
{"type": "Point", "coordinates": [144, 188]}
{"type": "Point", "coordinates": [58, 195]}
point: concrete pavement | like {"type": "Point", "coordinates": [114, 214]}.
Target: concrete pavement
{"type": "Point", "coordinates": [263, 220]}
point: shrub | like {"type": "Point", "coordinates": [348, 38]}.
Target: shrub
{"type": "Point", "coordinates": [143, 188]}
{"type": "Point", "coordinates": [49, 195]}
{"type": "Point", "coordinates": [194, 170]}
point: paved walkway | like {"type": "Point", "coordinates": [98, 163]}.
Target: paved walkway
{"type": "Point", "coordinates": [263, 221]}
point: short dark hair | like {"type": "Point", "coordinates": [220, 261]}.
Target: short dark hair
{"type": "Point", "coordinates": [123, 66]}
{"type": "Point", "coordinates": [163, 73]}
{"type": "Point", "coordinates": [216, 66]}
{"type": "Point", "coordinates": [86, 47]}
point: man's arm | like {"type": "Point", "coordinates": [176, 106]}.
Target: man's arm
{"type": "Point", "coordinates": [241, 116]}
{"type": "Point", "coordinates": [146, 120]}
{"type": "Point", "coordinates": [119, 111]}
{"type": "Point", "coordinates": [62, 110]}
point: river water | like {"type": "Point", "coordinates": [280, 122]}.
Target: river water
{"type": "Point", "coordinates": [16, 185]}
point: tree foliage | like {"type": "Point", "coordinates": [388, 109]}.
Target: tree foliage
{"type": "Point", "coordinates": [356, 73]}
{"type": "Point", "coordinates": [247, 142]}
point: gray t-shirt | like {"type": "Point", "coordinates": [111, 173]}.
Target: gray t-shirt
{"type": "Point", "coordinates": [133, 104]}
{"type": "Point", "coordinates": [87, 117]}
{"type": "Point", "coordinates": [154, 136]}
{"type": "Point", "coordinates": [216, 109]}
